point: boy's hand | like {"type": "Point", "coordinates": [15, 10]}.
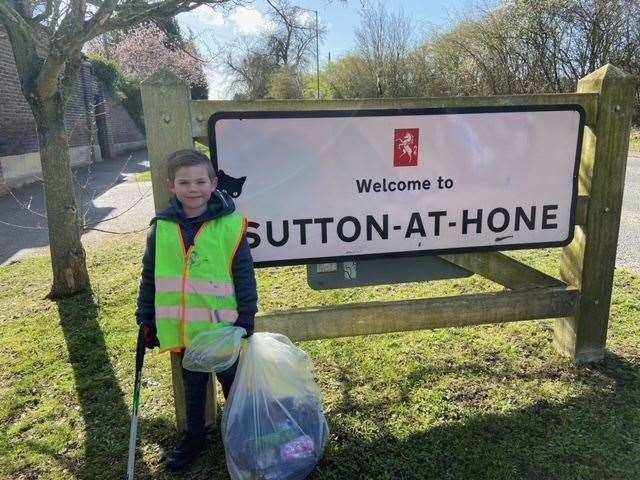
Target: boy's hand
{"type": "Point", "coordinates": [247, 327]}
{"type": "Point", "coordinates": [249, 333]}
{"type": "Point", "coordinates": [150, 336]}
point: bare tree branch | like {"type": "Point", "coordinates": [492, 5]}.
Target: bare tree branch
{"type": "Point", "coordinates": [286, 46]}
{"type": "Point", "coordinates": [71, 70]}
{"type": "Point", "coordinates": [17, 26]}
{"type": "Point", "coordinates": [47, 37]}
{"type": "Point", "coordinates": [22, 226]}
{"type": "Point", "coordinates": [26, 206]}
{"type": "Point", "coordinates": [118, 233]}
{"type": "Point", "coordinates": [49, 5]}
{"type": "Point", "coordinates": [142, 197]}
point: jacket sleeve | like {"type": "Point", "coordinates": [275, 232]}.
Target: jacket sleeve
{"type": "Point", "coordinates": [146, 311]}
{"type": "Point", "coordinates": [244, 281]}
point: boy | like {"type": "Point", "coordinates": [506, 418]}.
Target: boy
{"type": "Point", "coordinates": [197, 271]}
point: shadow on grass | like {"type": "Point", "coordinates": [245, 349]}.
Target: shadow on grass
{"type": "Point", "coordinates": [105, 411]}
{"type": "Point", "coordinates": [594, 436]}
{"type": "Point", "coordinates": [210, 466]}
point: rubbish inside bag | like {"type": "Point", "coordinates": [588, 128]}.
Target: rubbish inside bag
{"type": "Point", "coordinates": [214, 350]}
{"type": "Point", "coordinates": [284, 449]}
{"type": "Point", "coordinates": [273, 426]}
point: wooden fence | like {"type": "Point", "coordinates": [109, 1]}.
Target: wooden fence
{"type": "Point", "coordinates": [579, 302]}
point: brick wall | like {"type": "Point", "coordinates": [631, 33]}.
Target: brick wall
{"type": "Point", "coordinates": [18, 138]}
{"type": "Point", "coordinates": [79, 111]}
{"type": "Point", "coordinates": [121, 125]}
{"type": "Point", "coordinates": [17, 128]}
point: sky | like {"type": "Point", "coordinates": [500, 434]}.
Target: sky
{"type": "Point", "coordinates": [214, 29]}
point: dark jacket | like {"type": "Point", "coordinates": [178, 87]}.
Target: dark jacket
{"type": "Point", "coordinates": [244, 279]}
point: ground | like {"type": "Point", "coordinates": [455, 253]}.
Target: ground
{"type": "Point", "coordinates": [110, 196]}
{"type": "Point", "coordinates": [488, 402]}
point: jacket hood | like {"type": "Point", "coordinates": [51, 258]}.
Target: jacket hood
{"type": "Point", "coordinates": [219, 204]}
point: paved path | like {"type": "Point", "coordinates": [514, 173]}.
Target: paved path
{"type": "Point", "coordinates": [115, 194]}
{"type": "Point", "coordinates": [628, 256]}
{"type": "Point", "coordinates": [111, 192]}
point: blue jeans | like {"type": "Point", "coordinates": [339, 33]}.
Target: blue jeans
{"type": "Point", "coordinates": [195, 391]}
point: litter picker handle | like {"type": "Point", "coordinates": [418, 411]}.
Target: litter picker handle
{"type": "Point", "coordinates": [133, 432]}
{"type": "Point", "coordinates": [140, 349]}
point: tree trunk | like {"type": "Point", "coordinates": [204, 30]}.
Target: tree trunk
{"type": "Point", "coordinates": [70, 274]}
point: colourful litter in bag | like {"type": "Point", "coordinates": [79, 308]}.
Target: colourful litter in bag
{"type": "Point", "coordinates": [214, 350]}
{"type": "Point", "coordinates": [273, 425]}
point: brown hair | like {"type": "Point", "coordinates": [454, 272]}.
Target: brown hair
{"type": "Point", "coordinates": [188, 158]}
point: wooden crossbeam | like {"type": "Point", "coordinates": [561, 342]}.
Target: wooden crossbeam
{"type": "Point", "coordinates": [385, 317]}
{"type": "Point", "coordinates": [201, 110]}
{"type": "Point", "coordinates": [507, 271]}
{"type": "Point", "coordinates": [503, 270]}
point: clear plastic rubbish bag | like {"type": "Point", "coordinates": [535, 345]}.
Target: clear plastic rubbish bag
{"type": "Point", "coordinates": [273, 425]}
{"type": "Point", "coordinates": [214, 350]}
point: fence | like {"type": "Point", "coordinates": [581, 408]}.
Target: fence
{"type": "Point", "coordinates": [579, 302]}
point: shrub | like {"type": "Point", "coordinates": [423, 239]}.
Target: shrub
{"type": "Point", "coordinates": [125, 88]}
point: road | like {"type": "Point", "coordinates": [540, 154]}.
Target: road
{"type": "Point", "coordinates": [628, 255]}
{"type": "Point", "coordinates": [116, 202]}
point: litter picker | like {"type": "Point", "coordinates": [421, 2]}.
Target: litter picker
{"type": "Point", "coordinates": [133, 433]}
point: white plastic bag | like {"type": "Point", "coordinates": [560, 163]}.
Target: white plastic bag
{"type": "Point", "coordinates": [273, 425]}
{"type": "Point", "coordinates": [214, 350]}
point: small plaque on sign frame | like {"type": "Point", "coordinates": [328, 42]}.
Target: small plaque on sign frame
{"type": "Point", "coordinates": [360, 273]}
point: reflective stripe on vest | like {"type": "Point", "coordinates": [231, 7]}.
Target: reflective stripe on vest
{"type": "Point", "coordinates": [194, 287]}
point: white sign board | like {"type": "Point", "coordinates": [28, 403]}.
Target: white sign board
{"type": "Point", "coordinates": [333, 185]}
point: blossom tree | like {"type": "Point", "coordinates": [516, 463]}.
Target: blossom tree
{"type": "Point", "coordinates": [47, 37]}
{"type": "Point", "coordinates": [146, 49]}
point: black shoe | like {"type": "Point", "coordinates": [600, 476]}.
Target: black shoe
{"type": "Point", "coordinates": [187, 450]}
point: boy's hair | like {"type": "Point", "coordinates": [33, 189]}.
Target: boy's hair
{"type": "Point", "coordinates": [188, 158]}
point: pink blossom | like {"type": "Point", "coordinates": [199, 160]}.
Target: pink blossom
{"type": "Point", "coordinates": [143, 51]}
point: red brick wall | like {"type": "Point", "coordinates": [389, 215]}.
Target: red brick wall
{"type": "Point", "coordinates": [79, 111]}
{"type": "Point", "coordinates": [17, 128]}
{"type": "Point", "coordinates": [122, 128]}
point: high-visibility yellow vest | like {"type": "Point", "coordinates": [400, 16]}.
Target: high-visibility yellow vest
{"type": "Point", "coordinates": [194, 286]}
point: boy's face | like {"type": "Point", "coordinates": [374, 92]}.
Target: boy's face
{"type": "Point", "coordinates": [193, 187]}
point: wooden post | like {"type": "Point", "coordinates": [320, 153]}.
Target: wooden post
{"type": "Point", "coordinates": [588, 262]}
{"type": "Point", "coordinates": [167, 116]}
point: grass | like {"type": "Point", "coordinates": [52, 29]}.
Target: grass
{"type": "Point", "coordinates": [634, 140]}
{"type": "Point", "coordinates": [202, 148]}
{"type": "Point", "coordinates": [490, 402]}
{"type": "Point", "coordinates": [143, 177]}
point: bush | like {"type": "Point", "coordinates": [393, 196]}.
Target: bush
{"type": "Point", "coordinates": [105, 70]}
{"type": "Point", "coordinates": [284, 83]}
{"type": "Point", "coordinates": [124, 88]}
{"type": "Point", "coordinates": [199, 92]}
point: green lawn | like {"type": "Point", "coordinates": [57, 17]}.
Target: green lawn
{"type": "Point", "coordinates": [143, 177]}
{"type": "Point", "coordinates": [634, 141]}
{"type": "Point", "coordinates": [491, 402]}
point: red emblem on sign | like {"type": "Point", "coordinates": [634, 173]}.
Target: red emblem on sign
{"type": "Point", "coordinates": [405, 147]}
